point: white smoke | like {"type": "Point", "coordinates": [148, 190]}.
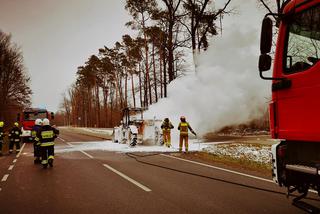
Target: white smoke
{"type": "Point", "coordinates": [226, 89]}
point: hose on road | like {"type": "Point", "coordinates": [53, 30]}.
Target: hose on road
{"type": "Point", "coordinates": [138, 158]}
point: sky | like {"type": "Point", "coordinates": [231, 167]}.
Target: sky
{"type": "Point", "coordinates": [57, 36]}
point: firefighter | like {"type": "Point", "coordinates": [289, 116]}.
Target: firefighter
{"type": "Point", "coordinates": [47, 134]}
{"type": "Point", "coordinates": [183, 127]}
{"type": "Point", "coordinates": [166, 127]}
{"type": "Point", "coordinates": [15, 138]}
{"type": "Point", "coordinates": [36, 142]}
{"type": "Point", "coordinates": [1, 136]}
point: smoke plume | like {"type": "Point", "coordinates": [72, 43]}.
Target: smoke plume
{"type": "Point", "coordinates": [226, 88]}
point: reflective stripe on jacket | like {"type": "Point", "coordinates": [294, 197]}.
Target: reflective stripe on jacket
{"type": "Point", "coordinates": [46, 136]}
{"type": "Point", "coordinates": [183, 127]}
{"type": "Point", "coordinates": [14, 134]}
{"type": "Point", "coordinates": [47, 144]}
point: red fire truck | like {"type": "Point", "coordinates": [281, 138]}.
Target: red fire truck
{"type": "Point", "coordinates": [295, 105]}
{"type": "Point", "coordinates": [27, 119]}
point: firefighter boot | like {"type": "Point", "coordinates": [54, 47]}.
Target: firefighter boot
{"type": "Point", "coordinates": [36, 160]}
{"type": "Point", "coordinates": [44, 164]}
{"type": "Point", "coordinates": [50, 161]}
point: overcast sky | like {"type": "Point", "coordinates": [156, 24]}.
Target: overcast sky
{"type": "Point", "coordinates": [57, 36]}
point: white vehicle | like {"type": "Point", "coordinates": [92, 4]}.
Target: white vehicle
{"type": "Point", "coordinates": [135, 130]}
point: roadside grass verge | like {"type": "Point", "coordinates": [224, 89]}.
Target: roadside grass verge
{"type": "Point", "coordinates": [244, 157]}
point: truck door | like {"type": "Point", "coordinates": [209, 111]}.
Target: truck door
{"type": "Point", "coordinates": [298, 103]}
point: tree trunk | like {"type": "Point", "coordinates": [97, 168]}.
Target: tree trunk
{"type": "Point", "coordinates": [133, 92]}
{"type": "Point", "coordinates": [98, 106]}
{"type": "Point", "coordinates": [160, 65]}
{"type": "Point", "coordinates": [154, 74]}
{"type": "Point", "coordinates": [164, 73]}
{"type": "Point", "coordinates": [170, 53]}
{"type": "Point", "coordinates": [140, 87]}
{"type": "Point", "coordinates": [126, 90]}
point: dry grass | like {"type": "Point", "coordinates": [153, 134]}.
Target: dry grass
{"type": "Point", "coordinates": [242, 164]}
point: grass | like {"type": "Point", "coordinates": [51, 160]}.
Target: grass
{"type": "Point", "coordinates": [241, 164]}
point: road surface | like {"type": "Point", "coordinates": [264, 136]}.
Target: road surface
{"type": "Point", "coordinates": [108, 182]}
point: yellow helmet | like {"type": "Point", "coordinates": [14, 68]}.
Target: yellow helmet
{"type": "Point", "coordinates": [1, 123]}
{"type": "Point", "coordinates": [16, 124]}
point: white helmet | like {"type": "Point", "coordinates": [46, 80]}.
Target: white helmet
{"type": "Point", "coordinates": [45, 122]}
{"type": "Point", "coordinates": [38, 122]}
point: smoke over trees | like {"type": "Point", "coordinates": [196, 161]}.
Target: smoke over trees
{"type": "Point", "coordinates": [15, 92]}
{"type": "Point", "coordinates": [137, 70]}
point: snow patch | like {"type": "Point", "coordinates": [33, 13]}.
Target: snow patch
{"type": "Point", "coordinates": [261, 154]}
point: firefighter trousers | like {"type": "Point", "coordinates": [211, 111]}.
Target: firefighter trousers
{"type": "Point", "coordinates": [36, 151]}
{"type": "Point", "coordinates": [47, 153]}
{"type": "Point", "coordinates": [12, 143]}
{"type": "Point", "coordinates": [185, 139]}
{"type": "Point", "coordinates": [167, 138]}
{"type": "Point", "coordinates": [1, 142]}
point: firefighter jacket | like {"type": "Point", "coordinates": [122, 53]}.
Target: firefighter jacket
{"type": "Point", "coordinates": [46, 135]}
{"type": "Point", "coordinates": [15, 134]}
{"type": "Point", "coordinates": [1, 134]}
{"type": "Point", "coordinates": [183, 127]}
{"type": "Point", "coordinates": [166, 126]}
{"type": "Point", "coordinates": [34, 132]}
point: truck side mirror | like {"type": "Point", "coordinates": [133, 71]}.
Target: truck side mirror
{"type": "Point", "coordinates": [264, 63]}
{"type": "Point", "coordinates": [52, 116]}
{"type": "Point", "coordinates": [18, 117]}
{"type": "Point", "coordinates": [266, 36]}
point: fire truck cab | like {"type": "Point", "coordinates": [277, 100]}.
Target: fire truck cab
{"type": "Point", "coordinates": [295, 105]}
{"type": "Point", "coordinates": [27, 119]}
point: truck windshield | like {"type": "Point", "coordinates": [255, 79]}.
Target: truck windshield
{"type": "Point", "coordinates": [303, 44]}
{"type": "Point", "coordinates": [34, 115]}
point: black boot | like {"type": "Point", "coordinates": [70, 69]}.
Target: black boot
{"type": "Point", "coordinates": [50, 162]}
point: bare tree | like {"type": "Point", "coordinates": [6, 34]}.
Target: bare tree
{"type": "Point", "coordinates": [15, 92]}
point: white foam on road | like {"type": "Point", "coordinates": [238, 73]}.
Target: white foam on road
{"type": "Point", "coordinates": [116, 147]}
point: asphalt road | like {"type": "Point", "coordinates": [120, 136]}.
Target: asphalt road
{"type": "Point", "coordinates": [109, 182]}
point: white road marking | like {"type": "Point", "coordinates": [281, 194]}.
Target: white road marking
{"type": "Point", "coordinates": [218, 168]}
{"type": "Point", "coordinates": [128, 178]}
{"type": "Point", "coordinates": [18, 155]}
{"type": "Point", "coordinates": [5, 177]}
{"type": "Point", "coordinates": [62, 139]}
{"type": "Point", "coordinates": [69, 144]}
{"type": "Point", "coordinates": [15, 160]}
{"type": "Point", "coordinates": [83, 152]}
{"type": "Point", "coordinates": [10, 167]}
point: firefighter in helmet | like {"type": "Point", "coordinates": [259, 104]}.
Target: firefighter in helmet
{"type": "Point", "coordinates": [15, 138]}
{"type": "Point", "coordinates": [47, 134]}
{"type": "Point", "coordinates": [184, 127]}
{"type": "Point", "coordinates": [1, 136]}
{"type": "Point", "coordinates": [36, 141]}
{"type": "Point", "coordinates": [166, 127]}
